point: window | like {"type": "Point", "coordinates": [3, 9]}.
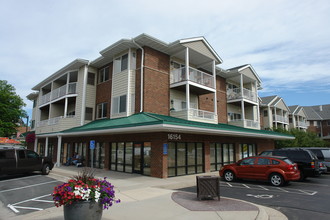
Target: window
{"type": "Point", "coordinates": [265, 113]}
{"type": "Point", "coordinates": [119, 104]}
{"type": "Point", "coordinates": [88, 113]}
{"type": "Point", "coordinates": [328, 122]}
{"type": "Point", "coordinates": [102, 110]}
{"type": "Point", "coordinates": [91, 79]}
{"type": "Point", "coordinates": [104, 74]}
{"type": "Point", "coordinates": [247, 150]}
{"type": "Point", "coordinates": [249, 161]}
{"type": "Point", "coordinates": [263, 161]}
{"type": "Point", "coordinates": [33, 124]}
{"type": "Point", "coordinates": [234, 116]}
{"type": "Point", "coordinates": [120, 64]}
{"type": "Point", "coordinates": [185, 158]}
{"type": "Point", "coordinates": [34, 103]}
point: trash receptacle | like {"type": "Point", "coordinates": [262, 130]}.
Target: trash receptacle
{"type": "Point", "coordinates": [208, 187]}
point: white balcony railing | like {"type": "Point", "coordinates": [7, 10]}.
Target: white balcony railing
{"type": "Point", "coordinates": [195, 115]}
{"type": "Point", "coordinates": [59, 92]}
{"type": "Point", "coordinates": [236, 93]}
{"type": "Point", "coordinates": [280, 118]}
{"type": "Point", "coordinates": [52, 121]}
{"type": "Point", "coordinates": [302, 124]}
{"type": "Point", "coordinates": [197, 76]}
{"type": "Point", "coordinates": [245, 123]}
{"type": "Point", "coordinates": [45, 98]}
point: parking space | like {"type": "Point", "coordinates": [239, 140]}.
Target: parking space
{"type": "Point", "coordinates": [266, 188]}
{"type": "Point", "coordinates": [24, 194]}
{"type": "Point", "coordinates": [297, 200]}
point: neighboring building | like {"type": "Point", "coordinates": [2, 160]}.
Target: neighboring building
{"type": "Point", "coordinates": [242, 96]}
{"type": "Point", "coordinates": [298, 118]}
{"type": "Point", "coordinates": [318, 120]}
{"type": "Point", "coordinates": [275, 113]}
{"type": "Point", "coordinates": [149, 107]}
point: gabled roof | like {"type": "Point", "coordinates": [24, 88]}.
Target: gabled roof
{"type": "Point", "coordinates": [318, 112]}
{"type": "Point", "coordinates": [249, 74]}
{"type": "Point", "coordinates": [267, 100]}
{"type": "Point", "coordinates": [197, 45]}
{"type": "Point", "coordinates": [149, 122]}
{"type": "Point", "coordinates": [76, 64]}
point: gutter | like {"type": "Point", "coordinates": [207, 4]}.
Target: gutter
{"type": "Point", "coordinates": [142, 60]}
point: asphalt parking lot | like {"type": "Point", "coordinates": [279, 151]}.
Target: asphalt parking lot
{"type": "Point", "coordinates": [21, 194]}
{"type": "Point", "coordinates": [297, 200]}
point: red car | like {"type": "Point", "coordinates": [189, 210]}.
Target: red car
{"type": "Point", "coordinates": [277, 170]}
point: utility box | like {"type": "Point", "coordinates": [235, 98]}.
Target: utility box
{"type": "Point", "coordinates": [208, 187]}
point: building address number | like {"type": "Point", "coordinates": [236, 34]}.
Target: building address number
{"type": "Point", "coordinates": [175, 137]}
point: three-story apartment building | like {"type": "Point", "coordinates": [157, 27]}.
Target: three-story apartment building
{"type": "Point", "coordinates": [150, 107]}
{"type": "Point", "coordinates": [318, 120]}
{"type": "Point", "coordinates": [275, 113]}
{"type": "Point", "coordinates": [297, 117]}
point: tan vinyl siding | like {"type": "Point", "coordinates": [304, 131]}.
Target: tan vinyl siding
{"type": "Point", "coordinates": [201, 48]}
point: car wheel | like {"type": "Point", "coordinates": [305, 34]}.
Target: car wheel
{"type": "Point", "coordinates": [229, 176]}
{"type": "Point", "coordinates": [45, 169]}
{"type": "Point", "coordinates": [276, 179]}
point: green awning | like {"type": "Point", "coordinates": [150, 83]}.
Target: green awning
{"type": "Point", "coordinates": [150, 122]}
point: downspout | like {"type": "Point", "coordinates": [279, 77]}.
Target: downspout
{"type": "Point", "coordinates": [142, 60]}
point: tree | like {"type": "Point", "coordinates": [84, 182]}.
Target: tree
{"type": "Point", "coordinates": [302, 139]}
{"type": "Point", "coordinates": [11, 109]}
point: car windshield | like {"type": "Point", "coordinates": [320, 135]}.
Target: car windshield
{"type": "Point", "coordinates": [286, 160]}
{"type": "Point", "coordinates": [326, 153]}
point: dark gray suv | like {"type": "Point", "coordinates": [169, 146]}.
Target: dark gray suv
{"type": "Point", "coordinates": [18, 160]}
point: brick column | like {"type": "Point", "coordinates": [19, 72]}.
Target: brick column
{"type": "Point", "coordinates": [207, 165]}
{"type": "Point", "coordinates": [158, 166]}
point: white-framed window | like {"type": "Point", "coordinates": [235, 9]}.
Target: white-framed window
{"type": "Point", "coordinates": [119, 104]}
{"type": "Point", "coordinates": [88, 113]}
{"type": "Point", "coordinates": [91, 79]}
{"type": "Point", "coordinates": [104, 74]}
{"type": "Point", "coordinates": [102, 110]}
{"type": "Point", "coordinates": [120, 64]}
{"type": "Point", "coordinates": [234, 116]}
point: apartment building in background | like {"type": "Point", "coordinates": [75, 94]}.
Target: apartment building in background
{"type": "Point", "coordinates": [150, 107]}
{"type": "Point", "coordinates": [274, 113]}
{"type": "Point", "coordinates": [318, 120]}
{"type": "Point", "coordinates": [298, 118]}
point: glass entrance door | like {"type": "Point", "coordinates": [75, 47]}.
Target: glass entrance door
{"type": "Point", "coordinates": [137, 161]}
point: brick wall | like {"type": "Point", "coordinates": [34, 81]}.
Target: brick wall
{"type": "Point", "coordinates": [206, 101]}
{"type": "Point", "coordinates": [156, 82]}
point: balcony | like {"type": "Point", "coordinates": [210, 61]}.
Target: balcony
{"type": "Point", "coordinates": [236, 94]}
{"type": "Point", "coordinates": [56, 121]}
{"type": "Point", "coordinates": [281, 119]}
{"type": "Point", "coordinates": [245, 123]}
{"type": "Point", "coordinates": [58, 93]}
{"type": "Point", "coordinates": [196, 76]}
{"type": "Point", "coordinates": [196, 115]}
{"type": "Point", "coordinates": [301, 124]}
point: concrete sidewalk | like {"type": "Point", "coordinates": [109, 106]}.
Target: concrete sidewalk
{"type": "Point", "coordinates": [151, 198]}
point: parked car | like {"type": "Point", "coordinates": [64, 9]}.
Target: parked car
{"type": "Point", "coordinates": [307, 162]}
{"type": "Point", "coordinates": [277, 170]}
{"type": "Point", "coordinates": [323, 167]}
{"type": "Point", "coordinates": [323, 154]}
{"type": "Point", "coordinates": [18, 160]}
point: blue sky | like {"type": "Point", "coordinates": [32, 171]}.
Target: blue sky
{"type": "Point", "coordinates": [286, 41]}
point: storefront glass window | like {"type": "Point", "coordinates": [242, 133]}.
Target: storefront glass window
{"type": "Point", "coordinates": [146, 158]}
{"type": "Point", "coordinates": [185, 158]}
